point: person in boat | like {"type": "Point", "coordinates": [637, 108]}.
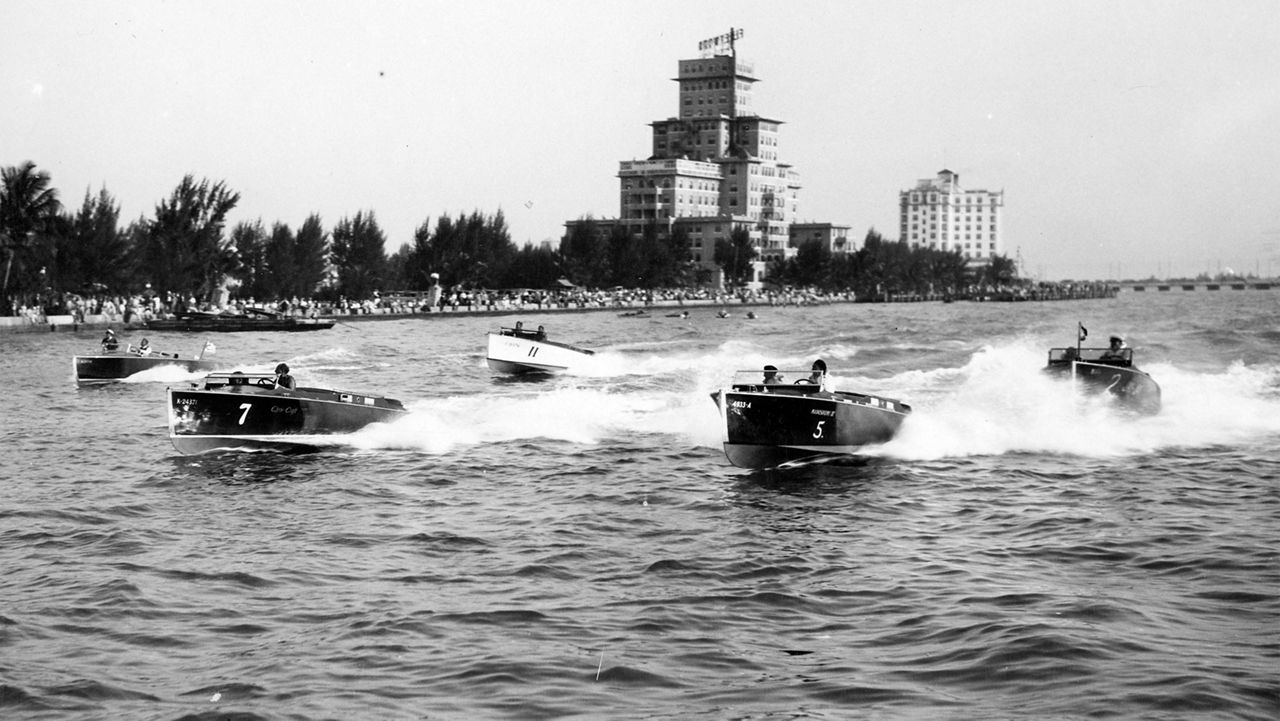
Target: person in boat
{"type": "Point", "coordinates": [771, 375]}
{"type": "Point", "coordinates": [819, 373]}
{"type": "Point", "coordinates": [283, 379]}
{"type": "Point", "coordinates": [542, 333]}
{"type": "Point", "coordinates": [144, 348]}
{"type": "Point", "coordinates": [1070, 354]}
{"type": "Point", "coordinates": [1116, 350]}
{"type": "Point", "coordinates": [109, 342]}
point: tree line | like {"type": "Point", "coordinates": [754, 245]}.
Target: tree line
{"type": "Point", "coordinates": [185, 248]}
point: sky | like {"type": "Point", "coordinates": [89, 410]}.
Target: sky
{"type": "Point", "coordinates": [1131, 138]}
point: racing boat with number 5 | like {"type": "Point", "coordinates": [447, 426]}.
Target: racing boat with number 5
{"type": "Point", "coordinates": [769, 421]}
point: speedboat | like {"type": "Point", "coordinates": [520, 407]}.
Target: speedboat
{"type": "Point", "coordinates": [769, 422]}
{"type": "Point", "coordinates": [1105, 370]}
{"type": "Point", "coordinates": [516, 350]}
{"type": "Point", "coordinates": [229, 321]}
{"type": "Point", "coordinates": [112, 366]}
{"type": "Point", "coordinates": [248, 410]}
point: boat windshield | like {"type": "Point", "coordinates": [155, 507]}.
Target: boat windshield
{"type": "Point", "coordinates": [1105, 356]}
{"type": "Point", "coordinates": [782, 377]}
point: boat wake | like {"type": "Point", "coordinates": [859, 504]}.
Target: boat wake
{"type": "Point", "coordinates": [1001, 403]}
{"type": "Point", "coordinates": [165, 374]}
{"type": "Point", "coordinates": [997, 402]}
{"type": "Point", "coordinates": [571, 414]}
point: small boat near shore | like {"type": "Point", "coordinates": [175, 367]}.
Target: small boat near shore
{"type": "Point", "coordinates": [250, 319]}
{"type": "Point", "coordinates": [769, 421]}
{"type": "Point", "coordinates": [248, 411]}
{"type": "Point", "coordinates": [516, 350]}
{"type": "Point", "coordinates": [1107, 370]}
{"type": "Point", "coordinates": [117, 365]}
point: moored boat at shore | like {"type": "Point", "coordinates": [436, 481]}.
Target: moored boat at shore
{"type": "Point", "coordinates": [516, 350]}
{"type": "Point", "coordinates": [768, 421]}
{"type": "Point", "coordinates": [1107, 370]}
{"type": "Point", "coordinates": [249, 410]}
{"type": "Point", "coordinates": [250, 319]}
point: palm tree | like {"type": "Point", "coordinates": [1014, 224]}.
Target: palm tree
{"type": "Point", "coordinates": [27, 208]}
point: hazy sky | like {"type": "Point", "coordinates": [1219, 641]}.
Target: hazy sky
{"type": "Point", "coordinates": [1130, 138]}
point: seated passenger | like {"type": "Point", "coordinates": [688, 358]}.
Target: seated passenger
{"type": "Point", "coordinates": [542, 333]}
{"type": "Point", "coordinates": [771, 375]}
{"type": "Point", "coordinates": [144, 348]}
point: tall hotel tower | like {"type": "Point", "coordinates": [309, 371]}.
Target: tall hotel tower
{"type": "Point", "coordinates": [938, 214]}
{"type": "Point", "coordinates": [715, 168]}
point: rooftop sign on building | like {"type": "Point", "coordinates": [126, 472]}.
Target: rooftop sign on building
{"type": "Point", "coordinates": [720, 43]}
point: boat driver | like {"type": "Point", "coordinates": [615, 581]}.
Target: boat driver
{"type": "Point", "coordinates": [283, 379]}
{"type": "Point", "coordinates": [819, 372]}
{"type": "Point", "coordinates": [1116, 350]}
{"type": "Point", "coordinates": [109, 341]}
{"type": "Point", "coordinates": [144, 348]}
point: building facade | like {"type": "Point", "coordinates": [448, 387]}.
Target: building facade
{"type": "Point", "coordinates": [714, 167]}
{"type": "Point", "coordinates": [938, 213]}
{"type": "Point", "coordinates": [835, 237]}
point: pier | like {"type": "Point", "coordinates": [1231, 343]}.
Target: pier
{"type": "Point", "coordinates": [1159, 287]}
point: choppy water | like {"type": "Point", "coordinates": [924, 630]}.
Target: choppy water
{"type": "Point", "coordinates": [579, 547]}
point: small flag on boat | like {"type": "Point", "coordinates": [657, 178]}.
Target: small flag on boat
{"type": "Point", "coordinates": [1084, 332]}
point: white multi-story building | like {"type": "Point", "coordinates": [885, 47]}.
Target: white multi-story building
{"type": "Point", "coordinates": [714, 167]}
{"type": "Point", "coordinates": [938, 213]}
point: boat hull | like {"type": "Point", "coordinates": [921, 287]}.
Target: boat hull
{"type": "Point", "coordinates": [1131, 388]}
{"type": "Point", "coordinates": [202, 420]}
{"type": "Point", "coordinates": [109, 368]}
{"type": "Point", "coordinates": [517, 354]}
{"type": "Point", "coordinates": [768, 428]}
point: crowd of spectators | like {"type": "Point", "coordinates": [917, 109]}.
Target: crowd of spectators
{"type": "Point", "coordinates": [461, 300]}
{"type": "Point", "coordinates": [138, 308]}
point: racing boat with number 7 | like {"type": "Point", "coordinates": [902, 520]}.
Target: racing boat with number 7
{"type": "Point", "coordinates": [249, 411]}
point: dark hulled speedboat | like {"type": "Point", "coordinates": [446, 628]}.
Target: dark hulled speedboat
{"type": "Point", "coordinates": [1107, 370]}
{"type": "Point", "coordinates": [247, 410]}
{"type": "Point", "coordinates": [516, 350]}
{"type": "Point", "coordinates": [116, 365]}
{"type": "Point", "coordinates": [768, 423]}
{"type": "Point", "coordinates": [250, 319]}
